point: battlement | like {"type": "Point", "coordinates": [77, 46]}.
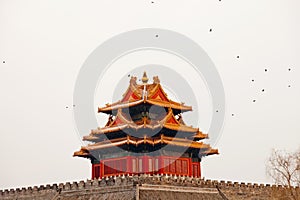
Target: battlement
{"type": "Point", "coordinates": [130, 183]}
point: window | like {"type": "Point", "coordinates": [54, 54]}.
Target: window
{"type": "Point", "coordinates": [175, 166]}
{"type": "Point", "coordinates": [195, 170]}
{"type": "Point", "coordinates": [134, 165]}
{"type": "Point", "coordinates": [150, 163]}
{"type": "Point", "coordinates": [156, 165]}
{"type": "Point", "coordinates": [172, 166]}
{"type": "Point", "coordinates": [108, 167]}
{"type": "Point", "coordinates": [123, 164]}
{"type": "Point", "coordinates": [97, 172]}
{"type": "Point", "coordinates": [140, 165]}
{"type": "Point", "coordinates": [184, 167]}
{"type": "Point", "coordinates": [166, 165]}
{"type": "Point", "coordinates": [178, 166]}
{"type": "Point", "coordinates": [116, 166]}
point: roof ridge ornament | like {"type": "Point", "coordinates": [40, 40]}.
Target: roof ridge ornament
{"type": "Point", "coordinates": [133, 80]}
{"type": "Point", "coordinates": [145, 78]}
{"type": "Point", "coordinates": [156, 80]}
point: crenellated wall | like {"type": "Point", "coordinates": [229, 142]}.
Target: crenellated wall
{"type": "Point", "coordinates": [152, 187]}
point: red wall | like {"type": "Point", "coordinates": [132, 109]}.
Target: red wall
{"type": "Point", "coordinates": [146, 165]}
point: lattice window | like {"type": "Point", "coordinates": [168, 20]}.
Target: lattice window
{"type": "Point", "coordinates": [156, 165]}
{"type": "Point", "coordinates": [172, 166]}
{"type": "Point", "coordinates": [195, 170]}
{"type": "Point", "coordinates": [140, 165]}
{"type": "Point", "coordinates": [96, 171]}
{"type": "Point", "coordinates": [178, 166]}
{"type": "Point", "coordinates": [150, 164]}
{"type": "Point", "coordinates": [134, 165]}
{"type": "Point", "coordinates": [166, 165]}
{"type": "Point", "coordinates": [184, 167]}
{"type": "Point", "coordinates": [112, 167]}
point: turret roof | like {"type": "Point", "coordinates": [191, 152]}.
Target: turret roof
{"type": "Point", "coordinates": [137, 94]}
{"type": "Point", "coordinates": [130, 140]}
{"type": "Point", "coordinates": [121, 122]}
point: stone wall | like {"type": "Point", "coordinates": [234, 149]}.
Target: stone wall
{"type": "Point", "coordinates": [152, 187]}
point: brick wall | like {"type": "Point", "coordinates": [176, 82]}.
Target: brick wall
{"type": "Point", "coordinates": [152, 187]}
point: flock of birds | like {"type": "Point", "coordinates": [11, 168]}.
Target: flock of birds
{"type": "Point", "coordinates": [210, 30]}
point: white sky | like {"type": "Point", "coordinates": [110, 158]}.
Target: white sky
{"type": "Point", "coordinates": [44, 44]}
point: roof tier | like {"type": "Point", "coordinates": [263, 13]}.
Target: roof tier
{"type": "Point", "coordinates": [139, 94]}
{"type": "Point", "coordinates": [121, 125]}
{"type": "Point", "coordinates": [87, 151]}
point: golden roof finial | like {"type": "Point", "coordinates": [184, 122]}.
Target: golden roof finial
{"type": "Point", "coordinates": [145, 78]}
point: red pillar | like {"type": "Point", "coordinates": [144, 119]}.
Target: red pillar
{"type": "Point", "coordinates": [190, 167]}
{"type": "Point", "coordinates": [101, 169]}
{"type": "Point", "coordinates": [199, 169]}
{"type": "Point", "coordinates": [93, 171]}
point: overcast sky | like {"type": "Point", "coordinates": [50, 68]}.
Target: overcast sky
{"type": "Point", "coordinates": [43, 45]}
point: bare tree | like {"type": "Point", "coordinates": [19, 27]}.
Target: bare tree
{"type": "Point", "coordinates": [284, 168]}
